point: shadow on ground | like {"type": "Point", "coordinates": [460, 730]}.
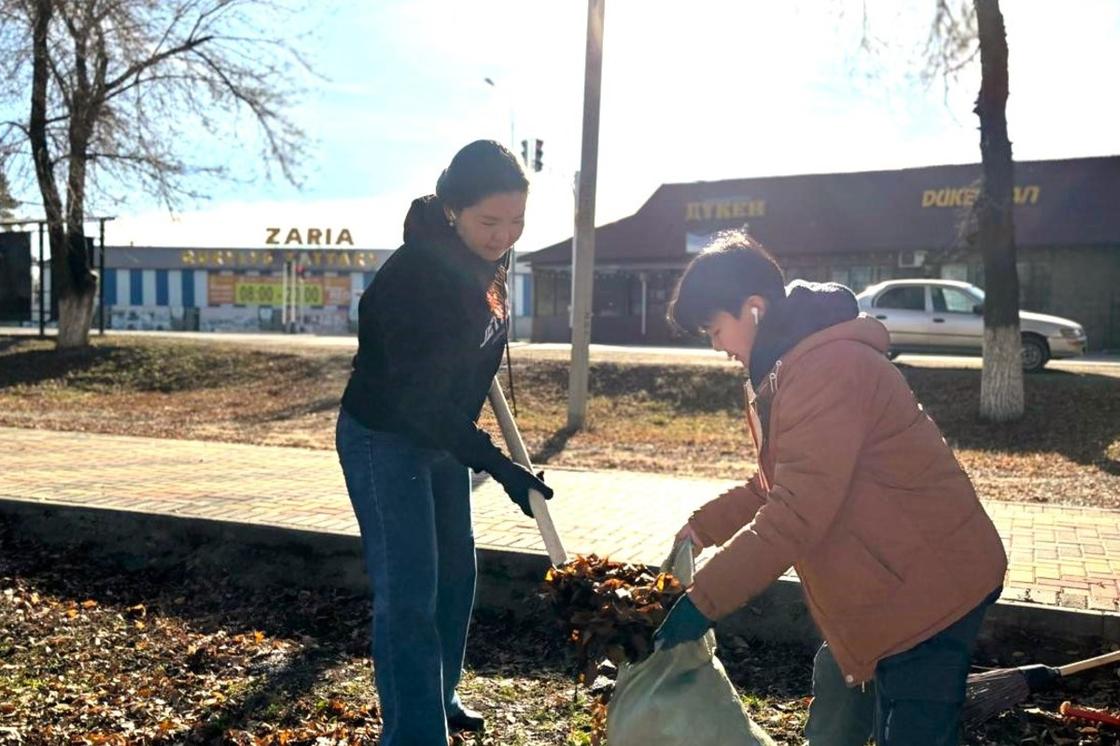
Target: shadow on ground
{"type": "Point", "coordinates": [1075, 415]}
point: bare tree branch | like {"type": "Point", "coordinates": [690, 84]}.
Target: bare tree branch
{"type": "Point", "coordinates": [126, 92]}
{"type": "Point", "coordinates": [142, 65]}
{"type": "Point", "coordinates": [952, 42]}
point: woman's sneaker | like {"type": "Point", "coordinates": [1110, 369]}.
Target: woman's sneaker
{"type": "Point", "coordinates": [465, 719]}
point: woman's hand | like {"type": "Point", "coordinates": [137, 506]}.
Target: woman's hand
{"type": "Point", "coordinates": [516, 480]}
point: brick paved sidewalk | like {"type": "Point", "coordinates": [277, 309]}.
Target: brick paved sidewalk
{"type": "Point", "coordinates": [1059, 555]}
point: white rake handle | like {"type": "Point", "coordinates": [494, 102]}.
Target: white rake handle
{"type": "Point", "coordinates": [517, 451]}
{"type": "Point", "coordinates": [1088, 663]}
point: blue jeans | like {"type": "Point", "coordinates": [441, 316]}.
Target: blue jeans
{"type": "Point", "coordinates": [414, 511]}
{"type": "Point", "coordinates": [914, 700]}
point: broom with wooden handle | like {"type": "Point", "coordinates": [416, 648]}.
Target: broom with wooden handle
{"type": "Point", "coordinates": [990, 693]}
{"type": "Point", "coordinates": [518, 453]}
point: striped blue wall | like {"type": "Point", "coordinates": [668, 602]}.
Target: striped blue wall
{"type": "Point", "coordinates": [136, 287]}
{"type": "Point", "coordinates": [161, 287]}
{"type": "Point", "coordinates": [188, 288]}
{"type": "Point", "coordinates": [110, 281]}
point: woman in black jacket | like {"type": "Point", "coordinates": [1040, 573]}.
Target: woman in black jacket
{"type": "Point", "coordinates": [431, 329]}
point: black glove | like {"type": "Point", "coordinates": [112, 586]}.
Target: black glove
{"type": "Point", "coordinates": [516, 480]}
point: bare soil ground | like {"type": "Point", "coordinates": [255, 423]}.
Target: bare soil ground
{"type": "Point", "coordinates": [92, 654]}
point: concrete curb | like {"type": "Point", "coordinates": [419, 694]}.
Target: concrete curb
{"type": "Point", "coordinates": [269, 556]}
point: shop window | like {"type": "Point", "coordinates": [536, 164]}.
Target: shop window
{"type": "Point", "coordinates": [563, 293]}
{"type": "Point", "coordinates": [1034, 285]}
{"type": "Point", "coordinates": [635, 290]}
{"type": "Point", "coordinates": [612, 296]}
{"type": "Point", "coordinates": [659, 289]}
{"type": "Point", "coordinates": [857, 278]}
{"type": "Point", "coordinates": [551, 292]}
{"type": "Point", "coordinates": [799, 273]}
{"type": "Point", "coordinates": [955, 271]}
{"type": "Point", "coordinates": [544, 301]}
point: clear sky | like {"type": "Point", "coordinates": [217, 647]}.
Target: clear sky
{"type": "Point", "coordinates": [698, 90]}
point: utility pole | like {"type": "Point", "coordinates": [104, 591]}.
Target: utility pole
{"type": "Point", "coordinates": [101, 278]}
{"type": "Point", "coordinates": [583, 242]}
{"type": "Point", "coordinates": [42, 287]}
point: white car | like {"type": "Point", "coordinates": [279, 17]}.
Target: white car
{"type": "Point", "coordinates": [946, 317]}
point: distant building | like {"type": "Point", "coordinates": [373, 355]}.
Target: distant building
{"type": "Point", "coordinates": [215, 289]}
{"type": "Point", "coordinates": [233, 289]}
{"type": "Point", "coordinates": [857, 229]}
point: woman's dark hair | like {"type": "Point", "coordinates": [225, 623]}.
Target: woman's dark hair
{"type": "Point", "coordinates": [730, 269]}
{"type": "Point", "coordinates": [477, 171]}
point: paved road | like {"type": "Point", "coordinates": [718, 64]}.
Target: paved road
{"type": "Point", "coordinates": [1059, 555]}
{"type": "Point", "coordinates": [1096, 363]}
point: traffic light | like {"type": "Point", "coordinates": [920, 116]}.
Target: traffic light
{"type": "Point", "coordinates": [538, 154]}
{"type": "Point", "coordinates": [525, 152]}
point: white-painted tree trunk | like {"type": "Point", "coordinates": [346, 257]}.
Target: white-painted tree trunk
{"type": "Point", "coordinates": [1001, 380]}
{"type": "Point", "coordinates": [75, 314]}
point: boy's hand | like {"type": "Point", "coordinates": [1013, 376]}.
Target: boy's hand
{"type": "Point", "coordinates": [685, 623]}
{"type": "Point", "coordinates": [688, 532]}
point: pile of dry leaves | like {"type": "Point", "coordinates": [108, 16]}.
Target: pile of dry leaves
{"type": "Point", "coordinates": [610, 610]}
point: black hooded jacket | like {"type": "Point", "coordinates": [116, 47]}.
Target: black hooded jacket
{"type": "Point", "coordinates": [428, 343]}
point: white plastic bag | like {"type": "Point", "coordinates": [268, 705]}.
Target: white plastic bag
{"type": "Point", "coordinates": [681, 695]}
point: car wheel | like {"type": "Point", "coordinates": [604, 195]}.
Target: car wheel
{"type": "Point", "coordinates": [1035, 353]}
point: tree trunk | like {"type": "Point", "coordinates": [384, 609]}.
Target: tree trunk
{"type": "Point", "coordinates": [75, 314]}
{"type": "Point", "coordinates": [75, 307]}
{"type": "Point", "coordinates": [72, 281]}
{"type": "Point", "coordinates": [1001, 381]}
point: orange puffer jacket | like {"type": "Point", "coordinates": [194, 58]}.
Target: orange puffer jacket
{"type": "Point", "coordinates": [859, 492]}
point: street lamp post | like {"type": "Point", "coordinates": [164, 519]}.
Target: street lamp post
{"type": "Point", "coordinates": [512, 252]}
{"type": "Point", "coordinates": [512, 129]}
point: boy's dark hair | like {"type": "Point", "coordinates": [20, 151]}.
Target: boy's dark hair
{"type": "Point", "coordinates": [481, 169]}
{"type": "Point", "coordinates": [730, 269]}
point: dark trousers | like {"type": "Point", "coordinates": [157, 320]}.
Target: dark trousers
{"type": "Point", "coordinates": [914, 700]}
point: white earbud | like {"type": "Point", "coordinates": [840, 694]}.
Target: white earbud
{"type": "Point", "coordinates": [754, 313]}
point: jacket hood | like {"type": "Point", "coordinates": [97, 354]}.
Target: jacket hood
{"type": "Point", "coordinates": [807, 309]}
{"type": "Point", "coordinates": [426, 222]}
{"type": "Point", "coordinates": [426, 228]}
